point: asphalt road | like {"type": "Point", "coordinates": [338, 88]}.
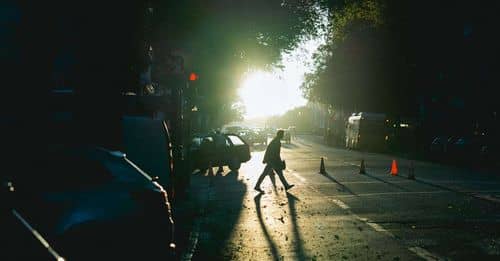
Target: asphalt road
{"type": "Point", "coordinates": [445, 213]}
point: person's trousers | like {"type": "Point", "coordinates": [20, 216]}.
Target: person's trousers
{"type": "Point", "coordinates": [268, 170]}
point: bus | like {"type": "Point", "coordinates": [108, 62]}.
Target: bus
{"type": "Point", "coordinates": [366, 131]}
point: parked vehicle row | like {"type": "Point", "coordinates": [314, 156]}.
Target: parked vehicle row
{"type": "Point", "coordinates": [84, 199]}
{"type": "Point", "coordinates": [90, 203]}
{"type": "Point", "coordinates": [254, 136]}
{"type": "Point", "coordinates": [462, 149]}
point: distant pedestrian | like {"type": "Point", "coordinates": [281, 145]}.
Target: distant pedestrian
{"type": "Point", "coordinates": [220, 143]}
{"type": "Point", "coordinates": [274, 163]}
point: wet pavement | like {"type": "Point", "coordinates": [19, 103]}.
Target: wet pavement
{"type": "Point", "coordinates": [446, 213]}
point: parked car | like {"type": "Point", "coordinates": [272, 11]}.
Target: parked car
{"type": "Point", "coordinates": [440, 147]}
{"type": "Point", "coordinates": [254, 136]}
{"type": "Point", "coordinates": [147, 142]}
{"type": "Point", "coordinates": [469, 149]}
{"type": "Point", "coordinates": [202, 152]}
{"type": "Point", "coordinates": [232, 129]}
{"type": "Point", "coordinates": [259, 137]}
{"type": "Point", "coordinates": [94, 203]}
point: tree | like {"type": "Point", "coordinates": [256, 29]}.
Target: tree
{"type": "Point", "coordinates": [225, 38]}
{"type": "Point", "coordinates": [346, 66]}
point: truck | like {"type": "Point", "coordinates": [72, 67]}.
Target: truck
{"type": "Point", "coordinates": [366, 131]}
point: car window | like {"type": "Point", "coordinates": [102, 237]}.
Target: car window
{"type": "Point", "coordinates": [235, 140]}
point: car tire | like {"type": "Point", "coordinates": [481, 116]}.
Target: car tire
{"type": "Point", "coordinates": [234, 164]}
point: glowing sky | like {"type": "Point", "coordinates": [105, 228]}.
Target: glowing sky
{"type": "Point", "coordinates": [267, 93]}
{"type": "Point", "coordinates": [275, 92]}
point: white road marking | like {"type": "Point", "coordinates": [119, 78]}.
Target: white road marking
{"type": "Point", "coordinates": [360, 182]}
{"type": "Point", "coordinates": [341, 204]}
{"type": "Point", "coordinates": [395, 193]}
{"type": "Point", "coordinates": [417, 250]}
{"type": "Point", "coordinates": [424, 254]}
{"type": "Point", "coordinates": [298, 176]}
{"type": "Point", "coordinates": [487, 197]}
{"type": "Point", "coordinates": [352, 164]}
{"type": "Point", "coordinates": [377, 227]}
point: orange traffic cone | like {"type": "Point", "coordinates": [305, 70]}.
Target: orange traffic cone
{"type": "Point", "coordinates": [362, 167]}
{"type": "Point", "coordinates": [394, 168]}
{"type": "Point", "coordinates": [210, 169]}
{"type": "Point", "coordinates": [411, 171]}
{"type": "Point", "coordinates": [322, 167]}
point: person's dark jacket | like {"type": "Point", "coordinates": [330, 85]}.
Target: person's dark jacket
{"type": "Point", "coordinates": [272, 154]}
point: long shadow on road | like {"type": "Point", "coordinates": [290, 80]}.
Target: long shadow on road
{"type": "Point", "coordinates": [344, 187]}
{"type": "Point", "coordinates": [296, 239]}
{"type": "Point", "coordinates": [298, 247]}
{"type": "Point", "coordinates": [386, 182]}
{"type": "Point", "coordinates": [269, 239]}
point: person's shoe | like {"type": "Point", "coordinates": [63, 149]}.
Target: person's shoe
{"type": "Point", "coordinates": [258, 189]}
{"type": "Point", "coordinates": [289, 187]}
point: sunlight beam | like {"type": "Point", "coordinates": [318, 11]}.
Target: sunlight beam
{"type": "Point", "coordinates": [275, 92]}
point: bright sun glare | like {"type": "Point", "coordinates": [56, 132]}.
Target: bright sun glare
{"type": "Point", "coordinates": [265, 94]}
{"type": "Point", "coordinates": [273, 93]}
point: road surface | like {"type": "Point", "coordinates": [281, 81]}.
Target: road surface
{"type": "Point", "coordinates": [445, 213]}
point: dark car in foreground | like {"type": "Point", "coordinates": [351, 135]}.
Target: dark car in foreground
{"type": "Point", "coordinates": [20, 239]}
{"type": "Point", "coordinates": [202, 152]}
{"type": "Point", "coordinates": [95, 204]}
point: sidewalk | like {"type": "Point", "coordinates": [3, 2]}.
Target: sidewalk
{"type": "Point", "coordinates": [188, 211]}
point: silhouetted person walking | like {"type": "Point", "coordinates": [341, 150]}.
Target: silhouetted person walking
{"type": "Point", "coordinates": [273, 160]}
